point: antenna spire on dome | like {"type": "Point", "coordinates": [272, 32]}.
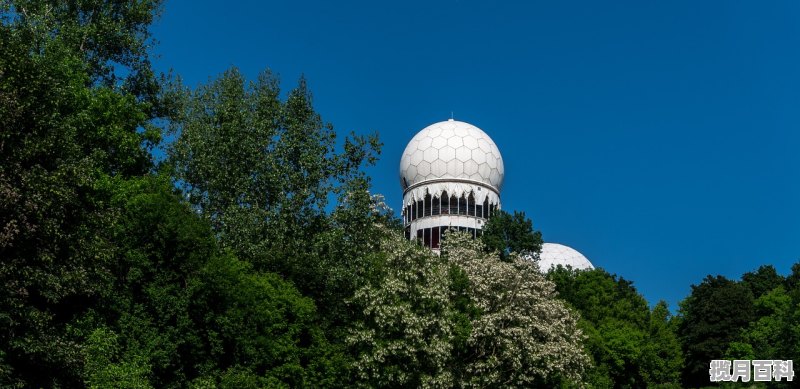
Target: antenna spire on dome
{"type": "Point", "coordinates": [451, 117]}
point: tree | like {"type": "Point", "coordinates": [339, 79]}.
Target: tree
{"type": "Point", "coordinates": [179, 310]}
{"type": "Point", "coordinates": [262, 171]}
{"type": "Point", "coordinates": [763, 280]}
{"type": "Point", "coordinates": [630, 345]}
{"type": "Point", "coordinates": [462, 319]}
{"type": "Point", "coordinates": [104, 368]}
{"type": "Point", "coordinates": [711, 317]}
{"type": "Point", "coordinates": [522, 335]}
{"type": "Point", "coordinates": [403, 330]}
{"type": "Point", "coordinates": [62, 138]}
{"type": "Point", "coordinates": [764, 337]}
{"type": "Point", "coordinates": [791, 334]}
{"type": "Point", "coordinates": [111, 37]}
{"type": "Point", "coordinates": [662, 358]}
{"type": "Point", "coordinates": [774, 332]}
{"type": "Point", "coordinates": [507, 233]}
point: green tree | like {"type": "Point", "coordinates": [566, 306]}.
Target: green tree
{"type": "Point", "coordinates": [188, 312]}
{"type": "Point", "coordinates": [108, 278]}
{"type": "Point", "coordinates": [791, 334]}
{"type": "Point", "coordinates": [77, 96]}
{"type": "Point", "coordinates": [511, 233]}
{"type": "Point", "coordinates": [263, 171]}
{"type": "Point", "coordinates": [764, 337]}
{"type": "Point", "coordinates": [763, 280]}
{"type": "Point", "coordinates": [711, 317]}
{"type": "Point", "coordinates": [630, 345]}
{"type": "Point", "coordinates": [662, 358]}
{"type": "Point", "coordinates": [111, 37]}
{"type": "Point", "coordinates": [104, 367]}
{"type": "Point", "coordinates": [773, 333]}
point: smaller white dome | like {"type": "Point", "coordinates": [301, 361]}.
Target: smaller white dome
{"type": "Point", "coordinates": [554, 254]}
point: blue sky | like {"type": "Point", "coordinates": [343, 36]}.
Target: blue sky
{"type": "Point", "coordinates": [660, 139]}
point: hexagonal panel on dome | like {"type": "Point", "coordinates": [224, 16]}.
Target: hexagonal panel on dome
{"type": "Point", "coordinates": [423, 169]}
{"type": "Point", "coordinates": [424, 143]}
{"type": "Point", "coordinates": [455, 141]}
{"type": "Point", "coordinates": [492, 162]}
{"type": "Point", "coordinates": [439, 168]}
{"type": "Point", "coordinates": [430, 154]}
{"type": "Point", "coordinates": [446, 153]}
{"type": "Point", "coordinates": [495, 150]}
{"type": "Point", "coordinates": [413, 145]}
{"type": "Point", "coordinates": [479, 156]}
{"type": "Point", "coordinates": [415, 158]}
{"type": "Point", "coordinates": [484, 145]}
{"type": "Point", "coordinates": [463, 154]}
{"type": "Point", "coordinates": [411, 171]}
{"type": "Point", "coordinates": [439, 142]}
{"type": "Point", "coordinates": [470, 142]}
{"type": "Point", "coordinates": [494, 175]}
{"type": "Point", "coordinates": [452, 149]}
{"type": "Point", "coordinates": [484, 170]}
{"type": "Point", "coordinates": [470, 167]}
{"type": "Point", "coordinates": [461, 131]}
{"type": "Point", "coordinates": [455, 167]}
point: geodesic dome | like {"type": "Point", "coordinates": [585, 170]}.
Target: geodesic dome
{"type": "Point", "coordinates": [452, 149]}
{"type": "Point", "coordinates": [554, 254]}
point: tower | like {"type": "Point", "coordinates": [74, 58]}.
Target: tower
{"type": "Point", "coordinates": [451, 173]}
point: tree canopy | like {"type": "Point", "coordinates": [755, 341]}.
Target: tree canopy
{"type": "Point", "coordinates": [463, 319]}
{"type": "Point", "coordinates": [511, 233]}
{"type": "Point", "coordinates": [631, 345]}
{"type": "Point", "coordinates": [255, 254]}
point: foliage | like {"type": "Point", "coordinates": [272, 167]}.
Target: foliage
{"type": "Point", "coordinates": [61, 140]}
{"type": "Point", "coordinates": [189, 311]}
{"type": "Point", "coordinates": [755, 318]}
{"type": "Point", "coordinates": [263, 170]}
{"type": "Point", "coordinates": [712, 317]}
{"type": "Point", "coordinates": [105, 370]}
{"type": "Point", "coordinates": [111, 37]}
{"type": "Point", "coordinates": [523, 335]}
{"type": "Point", "coordinates": [402, 337]}
{"type": "Point", "coordinates": [103, 272]}
{"type": "Point", "coordinates": [511, 233]}
{"type": "Point", "coordinates": [464, 319]}
{"type": "Point", "coordinates": [774, 332]}
{"type": "Point", "coordinates": [257, 256]}
{"type": "Point", "coordinates": [762, 281]}
{"type": "Point", "coordinates": [630, 345]}
{"type": "Point", "coordinates": [662, 357]}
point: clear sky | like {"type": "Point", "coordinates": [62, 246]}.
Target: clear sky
{"type": "Point", "coordinates": [661, 139]}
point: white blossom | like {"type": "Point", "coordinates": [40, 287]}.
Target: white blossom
{"type": "Point", "coordinates": [522, 335]}
{"type": "Point", "coordinates": [404, 336]}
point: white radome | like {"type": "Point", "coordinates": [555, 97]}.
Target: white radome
{"type": "Point", "coordinates": [452, 149]}
{"type": "Point", "coordinates": [554, 254]}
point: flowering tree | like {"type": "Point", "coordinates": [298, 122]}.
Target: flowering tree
{"type": "Point", "coordinates": [463, 319]}
{"type": "Point", "coordinates": [523, 335]}
{"type": "Point", "coordinates": [405, 329]}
